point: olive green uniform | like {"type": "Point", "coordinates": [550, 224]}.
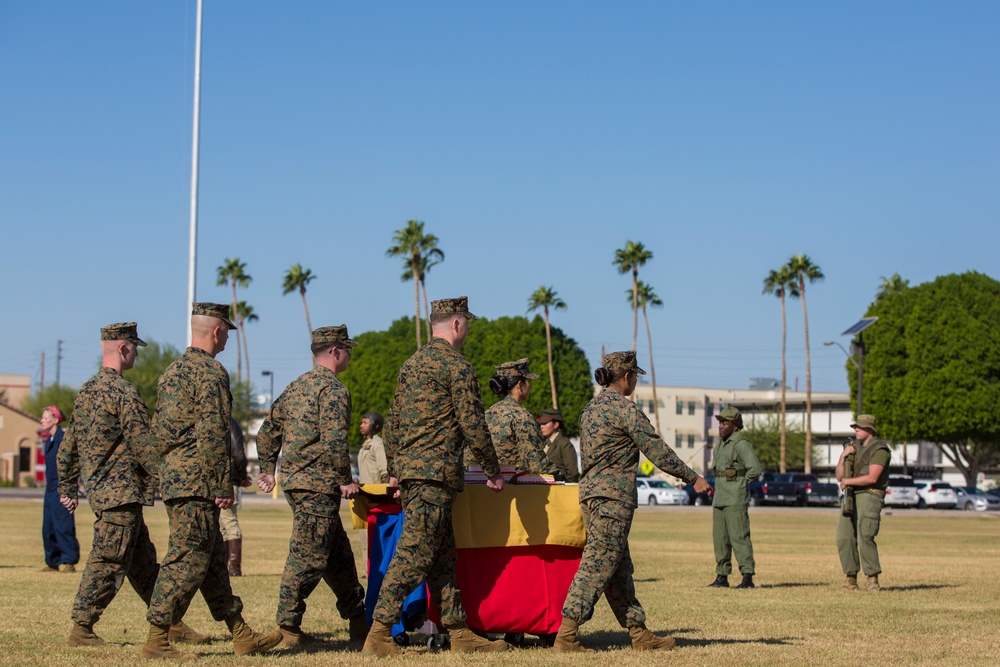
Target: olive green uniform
{"type": "Point", "coordinates": [856, 534]}
{"type": "Point", "coordinates": [562, 454]}
{"type": "Point", "coordinates": [730, 516]}
{"type": "Point", "coordinates": [613, 430]}
{"type": "Point", "coordinates": [516, 438]}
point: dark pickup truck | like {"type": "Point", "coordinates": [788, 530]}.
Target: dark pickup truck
{"type": "Point", "coordinates": [769, 490]}
{"type": "Point", "coordinates": [810, 491]}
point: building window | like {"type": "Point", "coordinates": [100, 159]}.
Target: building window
{"type": "Point", "coordinates": [678, 442]}
{"type": "Point", "coordinates": [690, 407]}
{"type": "Point", "coordinates": [680, 407]}
{"type": "Point", "coordinates": [690, 442]}
{"type": "Point", "coordinates": [710, 409]}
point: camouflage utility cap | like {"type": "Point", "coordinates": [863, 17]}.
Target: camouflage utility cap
{"type": "Point", "coordinates": [515, 369]}
{"type": "Point", "coordinates": [122, 331]}
{"type": "Point", "coordinates": [333, 335]}
{"type": "Point", "coordinates": [622, 361]}
{"type": "Point", "coordinates": [729, 414]}
{"type": "Point", "coordinates": [457, 306]}
{"type": "Point", "coordinates": [866, 422]}
{"type": "Point", "coordinates": [550, 415]}
{"type": "Point", "coordinates": [219, 311]}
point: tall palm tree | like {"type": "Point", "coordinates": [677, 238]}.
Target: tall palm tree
{"type": "Point", "coordinates": [781, 283]}
{"type": "Point", "coordinates": [647, 297]}
{"type": "Point", "coordinates": [892, 285]}
{"type": "Point", "coordinates": [411, 243]}
{"type": "Point", "coordinates": [429, 257]}
{"type": "Point", "coordinates": [630, 258]}
{"type": "Point", "coordinates": [244, 313]}
{"type": "Point", "coordinates": [803, 269]}
{"type": "Point", "coordinates": [546, 298]}
{"type": "Point", "coordinates": [233, 272]}
{"type": "Point", "coordinates": [297, 278]}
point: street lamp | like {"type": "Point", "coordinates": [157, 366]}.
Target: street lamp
{"type": "Point", "coordinates": [858, 348]}
{"type": "Point", "coordinates": [270, 397]}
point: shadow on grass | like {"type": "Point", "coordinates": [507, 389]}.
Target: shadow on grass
{"type": "Point", "coordinates": [916, 587]}
{"type": "Point", "coordinates": [612, 640]}
{"type": "Point", "coordinates": [767, 641]}
{"type": "Point", "coordinates": [793, 584]}
{"type": "Point", "coordinates": [651, 580]}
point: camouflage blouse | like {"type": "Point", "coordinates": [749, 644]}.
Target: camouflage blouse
{"type": "Point", "coordinates": [516, 437]}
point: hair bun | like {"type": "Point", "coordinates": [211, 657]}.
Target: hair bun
{"type": "Point", "coordinates": [497, 385]}
{"type": "Point", "coordinates": [603, 376]}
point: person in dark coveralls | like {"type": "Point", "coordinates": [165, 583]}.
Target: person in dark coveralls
{"type": "Point", "coordinates": [191, 430]}
{"type": "Point", "coordinates": [62, 549]}
{"type": "Point", "coordinates": [736, 465]}
{"type": "Point", "coordinates": [108, 443]}
{"type": "Point", "coordinates": [558, 448]}
{"type": "Point", "coordinates": [436, 413]}
{"type": "Point", "coordinates": [613, 430]}
{"type": "Point", "coordinates": [311, 420]}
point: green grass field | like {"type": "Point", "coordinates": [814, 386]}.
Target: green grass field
{"type": "Point", "coordinates": [939, 603]}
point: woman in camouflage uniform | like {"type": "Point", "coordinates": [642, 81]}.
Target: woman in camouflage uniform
{"type": "Point", "coordinates": [613, 430]}
{"type": "Point", "coordinates": [516, 437]}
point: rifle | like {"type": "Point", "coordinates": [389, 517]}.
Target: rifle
{"type": "Point", "coordinates": [848, 508]}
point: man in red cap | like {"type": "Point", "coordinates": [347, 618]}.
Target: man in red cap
{"type": "Point", "coordinates": [62, 550]}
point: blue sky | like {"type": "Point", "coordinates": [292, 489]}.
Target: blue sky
{"type": "Point", "coordinates": [532, 138]}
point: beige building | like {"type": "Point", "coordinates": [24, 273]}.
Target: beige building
{"type": "Point", "coordinates": [15, 389]}
{"type": "Point", "coordinates": [18, 444]}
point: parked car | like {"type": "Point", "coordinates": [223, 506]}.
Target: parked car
{"type": "Point", "coordinates": [768, 489]}
{"type": "Point", "coordinates": [704, 498]}
{"type": "Point", "coordinates": [936, 494]}
{"type": "Point", "coordinates": [971, 498]}
{"type": "Point", "coordinates": [810, 491]}
{"type": "Point", "coordinates": [659, 492]}
{"type": "Point", "coordinates": [901, 492]}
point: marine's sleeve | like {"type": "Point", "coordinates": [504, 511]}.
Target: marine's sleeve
{"type": "Point", "coordinates": [334, 420]}
{"type": "Point", "coordinates": [471, 417]}
{"type": "Point", "coordinates": [650, 444]}
{"type": "Point", "coordinates": [532, 446]}
{"type": "Point", "coordinates": [750, 460]}
{"type": "Point", "coordinates": [879, 458]}
{"type": "Point", "coordinates": [390, 430]}
{"type": "Point", "coordinates": [139, 440]}
{"type": "Point", "coordinates": [68, 462]}
{"type": "Point", "coordinates": [212, 429]}
{"type": "Point", "coordinates": [269, 440]}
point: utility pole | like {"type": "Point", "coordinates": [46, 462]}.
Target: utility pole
{"type": "Point", "coordinates": [58, 359]}
{"type": "Point", "coordinates": [41, 383]}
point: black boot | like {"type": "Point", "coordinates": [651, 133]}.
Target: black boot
{"type": "Point", "coordinates": [747, 582]}
{"type": "Point", "coordinates": [720, 582]}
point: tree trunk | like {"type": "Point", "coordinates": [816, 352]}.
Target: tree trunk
{"type": "Point", "coordinates": [305, 307]}
{"type": "Point", "coordinates": [239, 355]}
{"type": "Point", "coordinates": [635, 304]}
{"type": "Point", "coordinates": [548, 345]}
{"type": "Point", "coordinates": [427, 309]}
{"type": "Point", "coordinates": [416, 296]}
{"type": "Point", "coordinates": [246, 350]}
{"type": "Point", "coordinates": [809, 395]}
{"type": "Point", "coordinates": [783, 464]}
{"type": "Point", "coordinates": [652, 372]}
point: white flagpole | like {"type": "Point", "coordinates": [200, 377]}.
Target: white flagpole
{"type": "Point", "coordinates": [193, 242]}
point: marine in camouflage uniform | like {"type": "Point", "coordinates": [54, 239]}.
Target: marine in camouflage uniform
{"type": "Point", "coordinates": [559, 449]}
{"type": "Point", "coordinates": [437, 411]}
{"type": "Point", "coordinates": [515, 434]}
{"type": "Point", "coordinates": [613, 430]}
{"type": "Point", "coordinates": [191, 429]}
{"type": "Point", "coordinates": [735, 465]}
{"type": "Point", "coordinates": [310, 420]}
{"type": "Point", "coordinates": [856, 534]}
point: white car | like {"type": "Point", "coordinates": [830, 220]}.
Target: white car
{"type": "Point", "coordinates": [901, 492]}
{"type": "Point", "coordinates": [936, 494]}
{"type": "Point", "coordinates": [659, 492]}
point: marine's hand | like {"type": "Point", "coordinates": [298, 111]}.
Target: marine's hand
{"type": "Point", "coordinates": [69, 503]}
{"type": "Point", "coordinates": [848, 450]}
{"type": "Point", "coordinates": [349, 490]}
{"type": "Point", "coordinates": [394, 484]}
{"type": "Point", "coordinates": [844, 485]}
{"type": "Point", "coordinates": [265, 482]}
{"type": "Point", "coordinates": [701, 485]}
{"type": "Point", "coordinates": [246, 482]}
{"type": "Point", "coordinates": [224, 503]}
{"type": "Point", "coordinates": [495, 482]}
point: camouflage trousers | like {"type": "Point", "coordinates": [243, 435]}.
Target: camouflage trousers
{"type": "Point", "coordinates": [731, 532]}
{"type": "Point", "coordinates": [425, 552]}
{"type": "Point", "coordinates": [196, 559]}
{"type": "Point", "coordinates": [121, 550]}
{"type": "Point", "coordinates": [318, 550]}
{"type": "Point", "coordinates": [606, 565]}
{"type": "Point", "coordinates": [856, 535]}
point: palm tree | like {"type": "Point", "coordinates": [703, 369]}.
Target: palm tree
{"type": "Point", "coordinates": [802, 268]}
{"type": "Point", "coordinates": [647, 297]}
{"type": "Point", "coordinates": [233, 272]}
{"type": "Point", "coordinates": [430, 256]}
{"type": "Point", "coordinates": [781, 283]}
{"type": "Point", "coordinates": [243, 314]}
{"type": "Point", "coordinates": [296, 278]}
{"type": "Point", "coordinates": [545, 298]}
{"type": "Point", "coordinates": [630, 258]}
{"type": "Point", "coordinates": [411, 243]}
{"type": "Point", "coordinates": [893, 285]}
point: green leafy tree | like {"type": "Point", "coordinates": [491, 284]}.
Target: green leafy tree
{"type": "Point", "coordinates": [546, 298]}
{"type": "Point", "coordinates": [297, 279]}
{"type": "Point", "coordinates": [629, 259]}
{"type": "Point", "coordinates": [416, 248]}
{"type": "Point", "coordinates": [149, 365]}
{"type": "Point", "coordinates": [371, 375]}
{"type": "Point", "coordinates": [647, 297]}
{"type": "Point", "coordinates": [58, 395]}
{"type": "Point", "coordinates": [234, 272]}
{"type": "Point", "coordinates": [781, 283]}
{"type": "Point", "coordinates": [804, 270]}
{"type": "Point", "coordinates": [775, 443]}
{"type": "Point", "coordinates": [243, 403]}
{"type": "Point", "coordinates": [932, 368]}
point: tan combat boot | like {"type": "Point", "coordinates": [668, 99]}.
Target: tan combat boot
{"type": "Point", "coordinates": [293, 637]}
{"type": "Point", "coordinates": [182, 633]}
{"type": "Point", "coordinates": [464, 640]}
{"type": "Point", "coordinates": [873, 584]}
{"type": "Point", "coordinates": [83, 635]}
{"type": "Point", "coordinates": [158, 646]}
{"type": "Point", "coordinates": [67, 567]}
{"type": "Point", "coordinates": [644, 640]}
{"type": "Point", "coordinates": [358, 628]}
{"type": "Point", "coordinates": [852, 582]}
{"type": "Point", "coordinates": [379, 642]}
{"type": "Point", "coordinates": [248, 642]}
{"type": "Point", "coordinates": [566, 641]}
